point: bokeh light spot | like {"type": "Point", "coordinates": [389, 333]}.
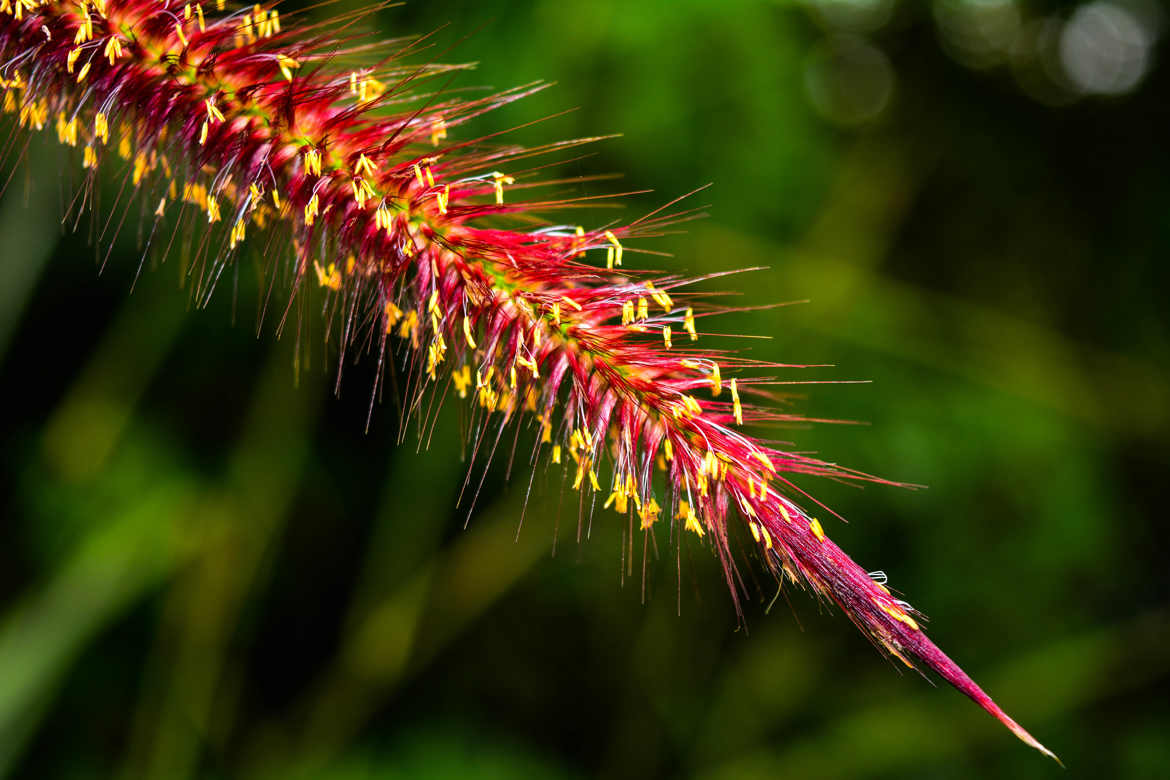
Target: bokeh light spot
{"type": "Point", "coordinates": [849, 81]}
{"type": "Point", "coordinates": [1105, 49]}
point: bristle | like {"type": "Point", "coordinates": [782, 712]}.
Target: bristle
{"type": "Point", "coordinates": [258, 129]}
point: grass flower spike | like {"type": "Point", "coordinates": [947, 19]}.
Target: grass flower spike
{"type": "Point", "coordinates": [251, 128]}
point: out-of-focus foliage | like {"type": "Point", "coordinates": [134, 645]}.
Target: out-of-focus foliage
{"type": "Point", "coordinates": [209, 570]}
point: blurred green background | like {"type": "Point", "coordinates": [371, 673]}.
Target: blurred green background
{"type": "Point", "coordinates": [209, 571]}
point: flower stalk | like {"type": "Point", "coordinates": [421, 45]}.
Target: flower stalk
{"type": "Point", "coordinates": [253, 125]}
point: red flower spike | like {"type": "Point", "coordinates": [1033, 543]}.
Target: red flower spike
{"type": "Point", "coordinates": [247, 122]}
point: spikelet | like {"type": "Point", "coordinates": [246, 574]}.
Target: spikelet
{"type": "Point", "coordinates": [251, 124]}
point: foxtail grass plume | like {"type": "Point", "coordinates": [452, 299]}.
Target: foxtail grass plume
{"type": "Point", "coordinates": [263, 129]}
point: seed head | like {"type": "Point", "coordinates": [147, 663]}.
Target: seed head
{"type": "Point", "coordinates": [260, 128]}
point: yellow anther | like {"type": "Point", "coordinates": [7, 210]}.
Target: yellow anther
{"type": "Point", "coordinates": [692, 405]}
{"type": "Point", "coordinates": [708, 464]}
{"type": "Point", "coordinates": [692, 523]}
{"type": "Point", "coordinates": [84, 31]}
{"type": "Point", "coordinates": [643, 309]}
{"type": "Point", "coordinates": [435, 354]}
{"type": "Point", "coordinates": [667, 450]}
{"type": "Point", "coordinates": [615, 257]}
{"type": "Point", "coordinates": [556, 453]}
{"type": "Point", "coordinates": [618, 499]}
{"type": "Point", "coordinates": [369, 89]}
{"type": "Point", "coordinates": [814, 525]}
{"type": "Point", "coordinates": [162, 204]}
{"type": "Point", "coordinates": [382, 218]}
{"type": "Point", "coordinates": [237, 234]}
{"type": "Point", "coordinates": [186, 12]}
{"type": "Point", "coordinates": [199, 16]}
{"type": "Point", "coordinates": [66, 129]}
{"type": "Point", "coordinates": [529, 364]}
{"type": "Point", "coordinates": [784, 513]}
{"type": "Point", "coordinates": [467, 334]}
{"type": "Point", "coordinates": [659, 296]}
{"type": "Point", "coordinates": [649, 514]}
{"type": "Point", "coordinates": [462, 380]}
{"type": "Point", "coordinates": [81, 74]}
{"type": "Point", "coordinates": [438, 131]}
{"type": "Point", "coordinates": [689, 323]}
{"type": "Point", "coordinates": [627, 312]}
{"type": "Point", "coordinates": [287, 65]}
{"type": "Point", "coordinates": [362, 192]}
{"type": "Point", "coordinates": [736, 406]}
{"type": "Point", "coordinates": [203, 133]}
{"type": "Point", "coordinates": [312, 208]}
{"type": "Point", "coordinates": [409, 327]}
{"type": "Point", "coordinates": [899, 656]}
{"type": "Point", "coordinates": [498, 181]}
{"type": "Point", "coordinates": [113, 49]}
{"type": "Point", "coordinates": [580, 242]}
{"type": "Point", "coordinates": [572, 303]}
{"type": "Point", "coordinates": [392, 314]}
{"type": "Point", "coordinates": [364, 166]}
{"type": "Point", "coordinates": [767, 537]}
{"type": "Point", "coordinates": [896, 613]}
{"type": "Point", "coordinates": [179, 32]}
{"type": "Point", "coordinates": [762, 458]}
{"type": "Point", "coordinates": [276, 199]}
{"type": "Point", "coordinates": [442, 196]}
{"type": "Point", "coordinates": [666, 336]}
{"type": "Point", "coordinates": [435, 312]}
{"type": "Point", "coordinates": [141, 166]}
{"type": "Point", "coordinates": [71, 59]}
{"type": "Point", "coordinates": [755, 530]}
{"type": "Point", "coordinates": [213, 112]}
{"type": "Point", "coordinates": [263, 24]}
{"type": "Point", "coordinates": [555, 311]}
{"type": "Point", "coordinates": [89, 158]}
{"type": "Point", "coordinates": [213, 214]}
{"type": "Point", "coordinates": [312, 161]}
